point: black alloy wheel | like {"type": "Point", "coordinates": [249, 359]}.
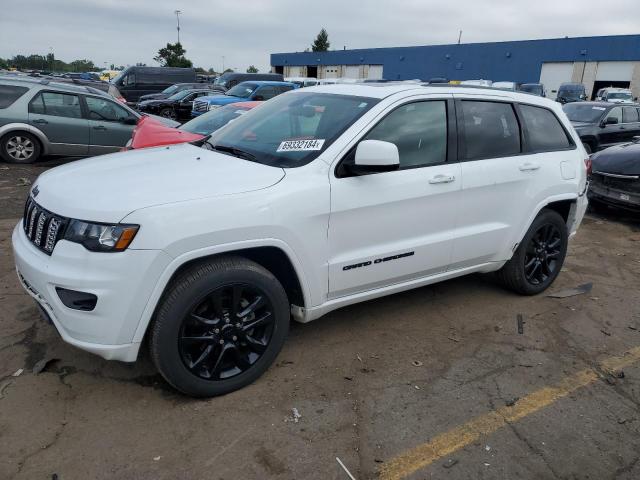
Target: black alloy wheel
{"type": "Point", "coordinates": [226, 332]}
{"type": "Point", "coordinates": [169, 113]}
{"type": "Point", "coordinates": [542, 254]}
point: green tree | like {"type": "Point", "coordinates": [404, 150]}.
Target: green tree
{"type": "Point", "coordinates": [173, 56]}
{"type": "Point", "coordinates": [252, 69]}
{"type": "Point", "coordinates": [4, 63]}
{"type": "Point", "coordinates": [321, 43]}
{"type": "Point", "coordinates": [83, 65]}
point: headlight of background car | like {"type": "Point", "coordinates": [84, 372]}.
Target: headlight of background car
{"type": "Point", "coordinates": [101, 238]}
{"type": "Point", "coordinates": [213, 107]}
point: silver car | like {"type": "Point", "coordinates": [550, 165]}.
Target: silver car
{"type": "Point", "coordinates": [42, 117]}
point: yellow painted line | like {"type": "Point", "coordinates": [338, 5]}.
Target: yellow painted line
{"type": "Point", "coordinates": [459, 437]}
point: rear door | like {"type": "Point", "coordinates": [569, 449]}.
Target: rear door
{"type": "Point", "coordinates": [59, 116]}
{"type": "Point", "coordinates": [110, 125]}
{"type": "Point", "coordinates": [502, 174]}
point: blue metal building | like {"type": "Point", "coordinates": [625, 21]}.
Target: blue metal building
{"type": "Point", "coordinates": [519, 61]}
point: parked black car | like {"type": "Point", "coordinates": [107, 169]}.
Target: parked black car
{"type": "Point", "coordinates": [134, 82]}
{"type": "Point", "coordinates": [173, 89]}
{"type": "Point", "coordinates": [571, 92]}
{"type": "Point", "coordinates": [178, 105]}
{"type": "Point", "coordinates": [603, 124]}
{"type": "Point", "coordinates": [615, 177]}
{"type": "Point", "coordinates": [533, 88]}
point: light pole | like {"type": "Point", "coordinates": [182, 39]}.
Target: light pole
{"type": "Point", "coordinates": [223, 64]}
{"type": "Point", "coordinates": [178, 12]}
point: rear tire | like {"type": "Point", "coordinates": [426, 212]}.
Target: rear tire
{"type": "Point", "coordinates": [219, 327]}
{"type": "Point", "coordinates": [20, 148]}
{"type": "Point", "coordinates": [538, 259]}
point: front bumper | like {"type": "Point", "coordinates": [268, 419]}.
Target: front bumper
{"type": "Point", "coordinates": [614, 197]}
{"type": "Point", "coordinates": [122, 281]}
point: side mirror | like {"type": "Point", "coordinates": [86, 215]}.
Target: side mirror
{"type": "Point", "coordinates": [375, 156]}
{"type": "Point", "coordinates": [610, 121]}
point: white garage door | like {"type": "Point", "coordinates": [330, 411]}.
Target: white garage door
{"type": "Point", "coordinates": [615, 71]}
{"type": "Point", "coordinates": [351, 71]}
{"type": "Point", "coordinates": [330, 71]}
{"type": "Point", "coordinates": [295, 71]}
{"type": "Point", "coordinates": [375, 72]}
{"type": "Point", "coordinates": [553, 74]}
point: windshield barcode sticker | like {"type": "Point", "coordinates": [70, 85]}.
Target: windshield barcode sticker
{"type": "Point", "coordinates": [300, 145]}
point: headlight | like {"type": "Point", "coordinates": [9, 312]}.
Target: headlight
{"type": "Point", "coordinates": [99, 237]}
{"type": "Point", "coordinates": [213, 107]}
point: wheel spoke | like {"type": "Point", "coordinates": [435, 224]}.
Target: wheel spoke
{"type": "Point", "coordinates": [252, 307]}
{"type": "Point", "coordinates": [255, 345]}
{"type": "Point", "coordinates": [214, 371]}
{"type": "Point", "coordinates": [199, 338]}
{"type": "Point", "coordinates": [203, 320]}
{"type": "Point", "coordinates": [530, 263]}
{"type": "Point", "coordinates": [236, 298]}
{"type": "Point", "coordinates": [554, 244]}
{"type": "Point", "coordinates": [258, 322]}
{"type": "Point", "coordinates": [203, 356]}
{"type": "Point", "coordinates": [241, 360]}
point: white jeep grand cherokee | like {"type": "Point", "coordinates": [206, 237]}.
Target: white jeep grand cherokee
{"type": "Point", "coordinates": [317, 199]}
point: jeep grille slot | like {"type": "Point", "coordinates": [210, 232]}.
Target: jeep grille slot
{"type": "Point", "coordinates": [42, 227]}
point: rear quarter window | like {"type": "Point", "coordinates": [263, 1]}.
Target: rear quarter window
{"type": "Point", "coordinates": [544, 130]}
{"type": "Point", "coordinates": [9, 94]}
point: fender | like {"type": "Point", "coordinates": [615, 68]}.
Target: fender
{"type": "Point", "coordinates": [177, 262]}
{"type": "Point", "coordinates": [12, 127]}
{"type": "Point", "coordinates": [539, 207]}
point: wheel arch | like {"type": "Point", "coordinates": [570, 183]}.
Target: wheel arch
{"type": "Point", "coordinates": [25, 127]}
{"type": "Point", "coordinates": [276, 257]}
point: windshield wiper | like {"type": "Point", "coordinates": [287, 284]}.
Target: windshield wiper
{"type": "Point", "coordinates": [236, 152]}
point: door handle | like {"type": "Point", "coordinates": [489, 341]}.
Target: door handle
{"type": "Point", "coordinates": [528, 166]}
{"type": "Point", "coordinates": [99, 127]}
{"type": "Point", "coordinates": [442, 179]}
{"type": "Point", "coordinates": [40, 121]}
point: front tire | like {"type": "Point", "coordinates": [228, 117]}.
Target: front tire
{"type": "Point", "coordinates": [538, 259]}
{"type": "Point", "coordinates": [19, 147]}
{"type": "Point", "coordinates": [219, 327]}
{"type": "Point", "coordinates": [168, 113]}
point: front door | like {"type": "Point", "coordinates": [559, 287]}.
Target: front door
{"type": "Point", "coordinates": [630, 124]}
{"type": "Point", "coordinates": [610, 134]}
{"type": "Point", "coordinates": [110, 125]}
{"type": "Point", "coordinates": [391, 227]}
{"type": "Point", "coordinates": [59, 116]}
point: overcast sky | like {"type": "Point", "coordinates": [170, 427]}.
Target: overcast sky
{"type": "Point", "coordinates": [247, 31]}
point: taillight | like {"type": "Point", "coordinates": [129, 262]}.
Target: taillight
{"type": "Point", "coordinates": [588, 164]}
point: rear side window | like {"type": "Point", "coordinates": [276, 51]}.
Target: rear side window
{"type": "Point", "coordinates": [56, 104]}
{"type": "Point", "coordinates": [630, 114]}
{"type": "Point", "coordinates": [491, 130]}
{"type": "Point", "coordinates": [544, 130]}
{"type": "Point", "coordinates": [9, 94]}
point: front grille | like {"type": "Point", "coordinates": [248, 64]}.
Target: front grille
{"type": "Point", "coordinates": [629, 184]}
{"type": "Point", "coordinates": [200, 106]}
{"type": "Point", "coordinates": [42, 227]}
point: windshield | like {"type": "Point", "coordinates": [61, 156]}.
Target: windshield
{"type": "Point", "coordinates": [619, 95]}
{"type": "Point", "coordinates": [537, 89]}
{"type": "Point", "coordinates": [243, 90]}
{"type": "Point", "coordinates": [571, 91]}
{"type": "Point", "coordinates": [293, 129]}
{"type": "Point", "coordinates": [179, 95]}
{"type": "Point", "coordinates": [211, 121]}
{"type": "Point", "coordinates": [578, 112]}
{"type": "Point", "coordinates": [220, 81]}
{"type": "Point", "coordinates": [171, 90]}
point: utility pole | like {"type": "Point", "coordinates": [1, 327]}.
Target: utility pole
{"type": "Point", "coordinates": [223, 64]}
{"type": "Point", "coordinates": [178, 12]}
{"type": "Point", "coordinates": [459, 37]}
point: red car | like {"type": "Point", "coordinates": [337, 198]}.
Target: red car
{"type": "Point", "coordinates": [151, 133]}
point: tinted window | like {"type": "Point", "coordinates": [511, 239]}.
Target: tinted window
{"type": "Point", "coordinates": [544, 131]}
{"type": "Point", "coordinates": [586, 113]}
{"type": "Point", "coordinates": [490, 130]}
{"type": "Point", "coordinates": [630, 114]}
{"type": "Point", "coordinates": [9, 94]}
{"type": "Point", "coordinates": [615, 113]}
{"type": "Point", "coordinates": [105, 110]}
{"type": "Point", "coordinates": [267, 92]}
{"type": "Point", "coordinates": [419, 130]}
{"type": "Point", "coordinates": [56, 104]}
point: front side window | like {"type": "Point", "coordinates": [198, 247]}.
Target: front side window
{"type": "Point", "coordinates": [290, 130]}
{"type": "Point", "coordinates": [630, 114]}
{"type": "Point", "coordinates": [243, 90]}
{"type": "Point", "coordinates": [266, 93]}
{"type": "Point", "coordinates": [105, 110]}
{"type": "Point", "coordinates": [419, 130]}
{"type": "Point", "coordinates": [615, 113]}
{"type": "Point", "coordinates": [56, 104]}
{"type": "Point", "coordinates": [129, 79]}
{"type": "Point", "coordinates": [490, 130]}
{"type": "Point", "coordinates": [544, 131]}
{"type": "Point", "coordinates": [10, 93]}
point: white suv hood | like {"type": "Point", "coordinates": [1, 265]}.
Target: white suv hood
{"type": "Point", "coordinates": [109, 187]}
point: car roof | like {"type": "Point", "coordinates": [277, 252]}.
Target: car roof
{"type": "Point", "coordinates": [604, 104]}
{"type": "Point", "coordinates": [261, 83]}
{"type": "Point", "coordinates": [35, 82]}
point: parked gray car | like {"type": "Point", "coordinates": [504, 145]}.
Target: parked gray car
{"type": "Point", "coordinates": [42, 117]}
